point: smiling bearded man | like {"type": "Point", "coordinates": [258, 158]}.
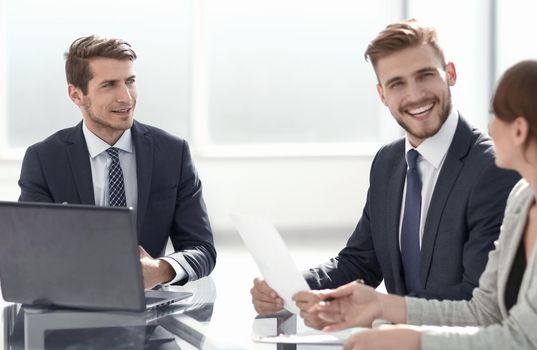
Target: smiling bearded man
{"type": "Point", "coordinates": [436, 199]}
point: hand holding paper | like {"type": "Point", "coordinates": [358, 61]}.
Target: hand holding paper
{"type": "Point", "coordinates": [272, 257]}
{"type": "Point", "coordinates": [265, 299]}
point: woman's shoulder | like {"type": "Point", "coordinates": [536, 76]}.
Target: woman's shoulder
{"type": "Point", "coordinates": [520, 195]}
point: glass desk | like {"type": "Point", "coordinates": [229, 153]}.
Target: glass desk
{"type": "Point", "coordinates": [203, 321]}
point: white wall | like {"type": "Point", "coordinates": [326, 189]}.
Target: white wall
{"type": "Point", "coordinates": [296, 193]}
{"type": "Point", "coordinates": [9, 175]}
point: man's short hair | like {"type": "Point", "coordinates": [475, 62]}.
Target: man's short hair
{"type": "Point", "coordinates": [402, 35]}
{"type": "Point", "coordinates": [82, 50]}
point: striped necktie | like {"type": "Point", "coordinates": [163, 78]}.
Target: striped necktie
{"type": "Point", "coordinates": [116, 186]}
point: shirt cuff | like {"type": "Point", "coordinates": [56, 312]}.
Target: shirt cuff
{"type": "Point", "coordinates": [180, 273]}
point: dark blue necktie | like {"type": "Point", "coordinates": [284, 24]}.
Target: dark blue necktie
{"type": "Point", "coordinates": [410, 229]}
{"type": "Point", "coordinates": [116, 186]}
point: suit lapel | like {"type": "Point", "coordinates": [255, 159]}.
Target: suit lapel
{"type": "Point", "coordinates": [448, 175]}
{"type": "Point", "coordinates": [395, 195]}
{"type": "Point", "coordinates": [77, 151]}
{"type": "Point", "coordinates": [144, 167]}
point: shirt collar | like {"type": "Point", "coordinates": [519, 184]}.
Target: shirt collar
{"type": "Point", "coordinates": [434, 148]}
{"type": "Point", "coordinates": [96, 146]}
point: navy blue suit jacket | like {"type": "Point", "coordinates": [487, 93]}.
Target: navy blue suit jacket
{"type": "Point", "coordinates": [462, 223]}
{"type": "Point", "coordinates": [170, 203]}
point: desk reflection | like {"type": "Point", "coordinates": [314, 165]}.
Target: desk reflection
{"type": "Point", "coordinates": [199, 322]}
{"type": "Point", "coordinates": [177, 326]}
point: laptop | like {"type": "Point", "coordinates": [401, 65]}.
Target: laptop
{"type": "Point", "coordinates": [74, 256]}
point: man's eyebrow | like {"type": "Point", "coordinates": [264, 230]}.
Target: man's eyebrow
{"type": "Point", "coordinates": [392, 80]}
{"type": "Point", "coordinates": [419, 71]}
{"type": "Point", "coordinates": [425, 70]}
{"type": "Point", "coordinates": [104, 82]}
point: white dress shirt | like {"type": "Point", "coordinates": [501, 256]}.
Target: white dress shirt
{"type": "Point", "coordinates": [432, 152]}
{"type": "Point", "coordinates": [100, 162]}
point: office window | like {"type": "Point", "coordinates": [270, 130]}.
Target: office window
{"type": "Point", "coordinates": [37, 33]}
{"type": "Point", "coordinates": [284, 71]}
{"type": "Point", "coordinates": [258, 72]}
{"type": "Point", "coordinates": [515, 33]}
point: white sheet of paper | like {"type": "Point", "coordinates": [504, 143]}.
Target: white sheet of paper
{"type": "Point", "coordinates": [272, 257]}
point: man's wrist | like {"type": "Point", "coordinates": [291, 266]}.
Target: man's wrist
{"type": "Point", "coordinates": [179, 272]}
{"type": "Point", "coordinates": [166, 271]}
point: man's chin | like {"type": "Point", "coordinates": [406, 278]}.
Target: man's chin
{"type": "Point", "coordinates": [423, 134]}
{"type": "Point", "coordinates": [124, 125]}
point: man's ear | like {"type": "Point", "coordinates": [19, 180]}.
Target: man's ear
{"type": "Point", "coordinates": [451, 73]}
{"type": "Point", "coordinates": [381, 94]}
{"type": "Point", "coordinates": [75, 94]}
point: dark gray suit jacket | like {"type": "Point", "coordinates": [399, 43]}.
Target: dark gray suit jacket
{"type": "Point", "coordinates": [463, 221]}
{"type": "Point", "coordinates": [170, 203]}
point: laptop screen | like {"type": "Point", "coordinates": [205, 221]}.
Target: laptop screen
{"type": "Point", "coordinates": [70, 255]}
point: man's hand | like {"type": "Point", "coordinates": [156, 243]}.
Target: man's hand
{"type": "Point", "coordinates": [265, 299]}
{"type": "Point", "coordinates": [306, 302]}
{"type": "Point", "coordinates": [387, 337]}
{"type": "Point", "coordinates": [155, 271]}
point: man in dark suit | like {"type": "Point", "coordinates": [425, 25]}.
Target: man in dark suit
{"type": "Point", "coordinates": [110, 159]}
{"type": "Point", "coordinates": [426, 231]}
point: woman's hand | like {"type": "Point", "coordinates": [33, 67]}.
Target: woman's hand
{"type": "Point", "coordinates": [401, 337]}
